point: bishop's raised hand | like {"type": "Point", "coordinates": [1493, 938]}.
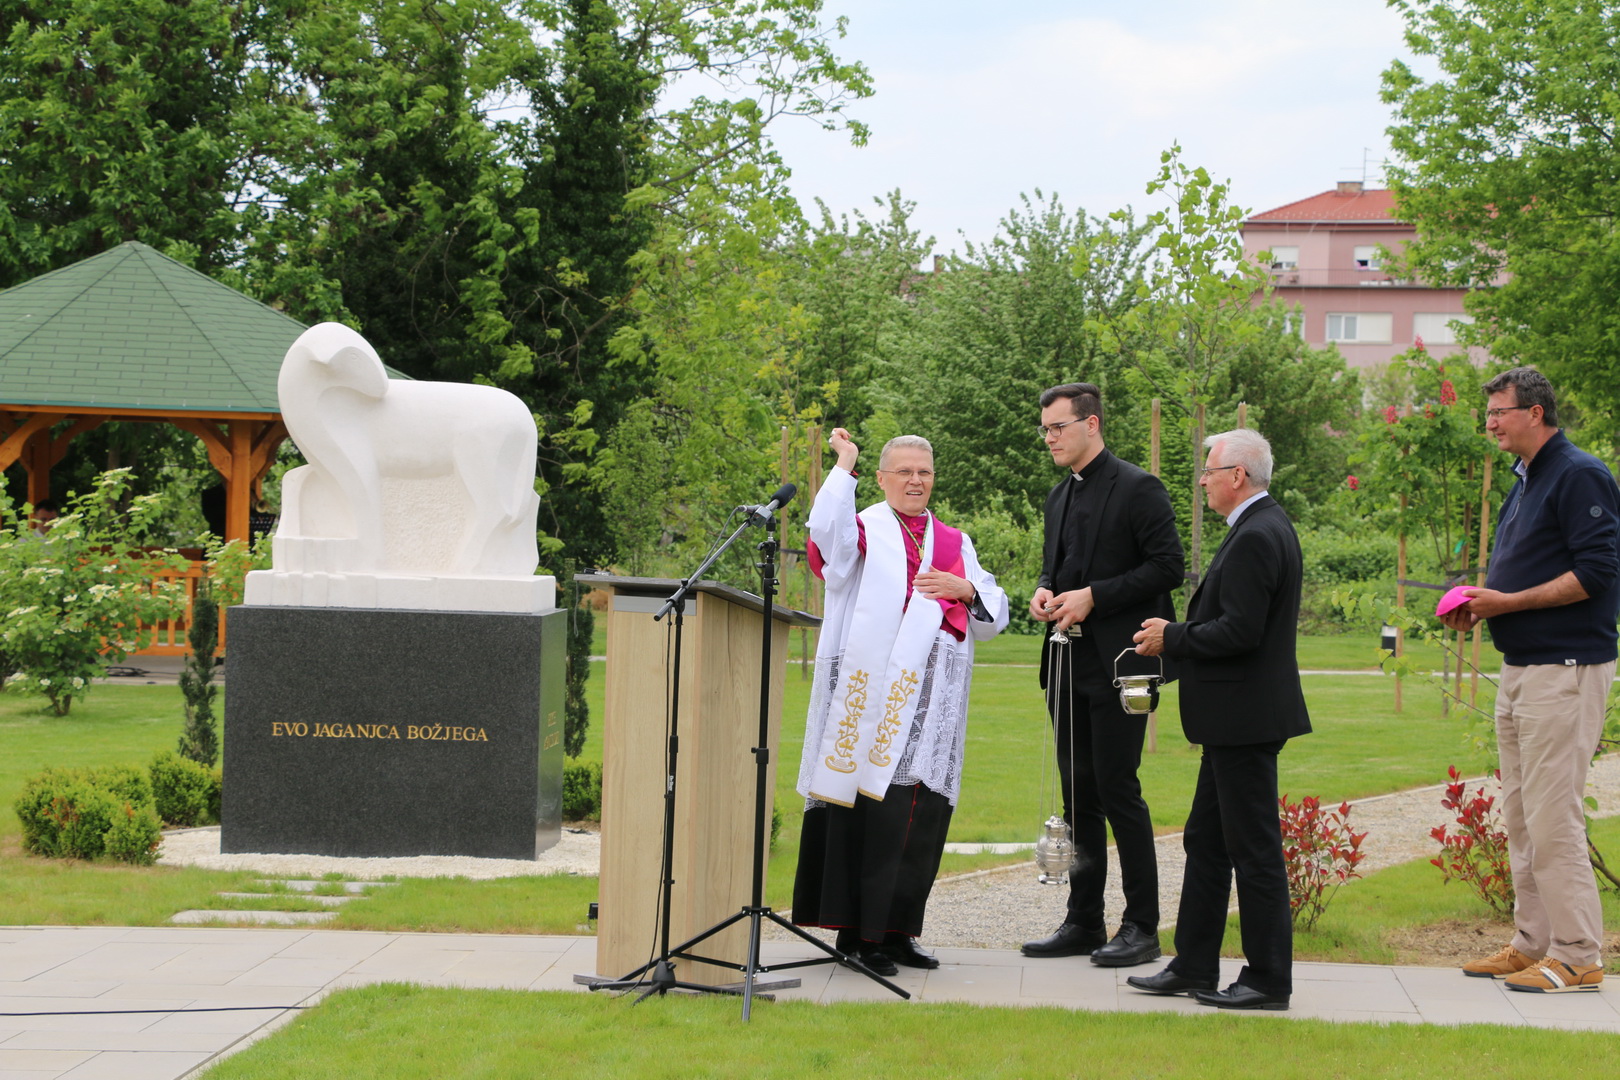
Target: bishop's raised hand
{"type": "Point", "coordinates": [845, 448]}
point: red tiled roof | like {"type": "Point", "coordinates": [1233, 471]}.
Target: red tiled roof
{"type": "Point", "coordinates": [1378, 205]}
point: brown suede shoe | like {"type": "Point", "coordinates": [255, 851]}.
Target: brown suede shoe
{"type": "Point", "coordinates": [1499, 965]}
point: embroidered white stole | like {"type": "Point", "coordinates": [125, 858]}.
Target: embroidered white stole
{"type": "Point", "coordinates": [880, 677]}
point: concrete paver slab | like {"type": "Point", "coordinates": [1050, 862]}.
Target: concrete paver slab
{"type": "Point", "coordinates": [99, 980]}
{"type": "Point", "coordinates": [328, 901]}
{"type": "Point", "coordinates": [119, 1065]}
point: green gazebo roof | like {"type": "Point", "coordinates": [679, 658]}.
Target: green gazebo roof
{"type": "Point", "coordinates": [131, 328]}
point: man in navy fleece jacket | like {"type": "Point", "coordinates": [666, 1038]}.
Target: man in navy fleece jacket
{"type": "Point", "coordinates": [1551, 596]}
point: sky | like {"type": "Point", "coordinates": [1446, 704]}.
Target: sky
{"type": "Point", "coordinates": [976, 103]}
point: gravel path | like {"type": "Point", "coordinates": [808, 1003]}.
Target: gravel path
{"type": "Point", "coordinates": [1001, 909]}
{"type": "Point", "coordinates": [578, 852]}
{"type": "Point", "coordinates": [995, 909]}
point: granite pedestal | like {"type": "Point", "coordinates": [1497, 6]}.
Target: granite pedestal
{"type": "Point", "coordinates": [387, 733]}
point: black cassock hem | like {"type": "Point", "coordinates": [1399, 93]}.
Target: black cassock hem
{"type": "Point", "coordinates": [871, 866]}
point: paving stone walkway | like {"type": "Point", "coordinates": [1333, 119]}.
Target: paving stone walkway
{"type": "Point", "coordinates": [161, 1003]}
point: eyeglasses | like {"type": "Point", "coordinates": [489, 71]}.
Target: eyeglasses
{"type": "Point", "coordinates": [1046, 431]}
{"type": "Point", "coordinates": [1498, 413]}
{"type": "Point", "coordinates": [1217, 468]}
{"type": "Point", "coordinates": [925, 475]}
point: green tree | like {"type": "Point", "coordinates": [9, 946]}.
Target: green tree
{"type": "Point", "coordinates": [1304, 400]}
{"type": "Point", "coordinates": [466, 182]}
{"type": "Point", "coordinates": [1419, 467]}
{"type": "Point", "coordinates": [133, 120]}
{"type": "Point", "coordinates": [857, 277]}
{"type": "Point", "coordinates": [1510, 169]}
{"type": "Point", "coordinates": [80, 596]}
{"type": "Point", "coordinates": [199, 740]}
{"type": "Point", "coordinates": [1197, 314]}
{"type": "Point", "coordinates": [721, 333]}
{"type": "Point", "coordinates": [1003, 322]}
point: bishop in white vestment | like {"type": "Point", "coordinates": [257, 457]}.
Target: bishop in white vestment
{"type": "Point", "coordinates": [882, 763]}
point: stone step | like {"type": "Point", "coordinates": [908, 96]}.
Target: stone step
{"type": "Point", "coordinates": [306, 885]}
{"type": "Point", "coordinates": [253, 918]}
{"type": "Point", "coordinates": [329, 901]}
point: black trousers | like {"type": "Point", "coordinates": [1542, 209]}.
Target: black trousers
{"type": "Point", "coordinates": [1232, 828]}
{"type": "Point", "coordinates": [870, 867]}
{"type": "Point", "coordinates": [1099, 749]}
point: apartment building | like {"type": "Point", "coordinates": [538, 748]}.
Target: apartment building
{"type": "Point", "coordinates": [1324, 258]}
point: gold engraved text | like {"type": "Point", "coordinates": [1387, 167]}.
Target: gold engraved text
{"type": "Point", "coordinates": [843, 760]}
{"type": "Point", "coordinates": [319, 730]}
{"type": "Point", "coordinates": [446, 733]}
{"type": "Point", "coordinates": [899, 693]}
{"type": "Point", "coordinates": [431, 732]}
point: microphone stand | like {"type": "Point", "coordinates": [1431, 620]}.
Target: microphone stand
{"type": "Point", "coordinates": [756, 912]}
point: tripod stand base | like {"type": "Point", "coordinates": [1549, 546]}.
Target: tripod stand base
{"type": "Point", "coordinates": [662, 978]}
{"type": "Point", "coordinates": [762, 988]}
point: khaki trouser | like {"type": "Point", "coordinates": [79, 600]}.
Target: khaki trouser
{"type": "Point", "coordinates": [1548, 720]}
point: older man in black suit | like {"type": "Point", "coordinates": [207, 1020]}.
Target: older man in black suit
{"type": "Point", "coordinates": [1240, 700]}
{"type": "Point", "coordinates": [1112, 557]}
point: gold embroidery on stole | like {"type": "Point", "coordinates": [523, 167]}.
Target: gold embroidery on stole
{"type": "Point", "coordinates": [849, 726]}
{"type": "Point", "coordinates": [899, 693]}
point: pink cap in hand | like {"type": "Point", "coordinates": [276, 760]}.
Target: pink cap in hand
{"type": "Point", "coordinates": [1454, 598]}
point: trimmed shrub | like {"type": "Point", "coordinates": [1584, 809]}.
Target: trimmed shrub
{"type": "Point", "coordinates": [88, 813]}
{"type": "Point", "coordinates": [125, 782]}
{"type": "Point", "coordinates": [582, 791]}
{"type": "Point", "coordinates": [134, 834]}
{"type": "Point", "coordinates": [199, 740]}
{"type": "Point", "coordinates": [1335, 559]}
{"type": "Point", "coordinates": [184, 792]}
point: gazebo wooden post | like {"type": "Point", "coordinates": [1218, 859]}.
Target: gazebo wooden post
{"type": "Point", "coordinates": [242, 453]}
{"type": "Point", "coordinates": [239, 481]}
{"type": "Point", "coordinates": [36, 458]}
{"type": "Point", "coordinates": [29, 443]}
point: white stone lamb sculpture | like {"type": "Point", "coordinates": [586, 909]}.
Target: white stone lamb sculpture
{"type": "Point", "coordinates": [369, 439]}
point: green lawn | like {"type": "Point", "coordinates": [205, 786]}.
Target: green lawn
{"type": "Point", "coordinates": [1360, 747]}
{"type": "Point", "coordinates": [113, 725]}
{"type": "Point", "coordinates": [414, 1033]}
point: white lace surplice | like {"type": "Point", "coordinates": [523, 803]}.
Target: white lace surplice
{"type": "Point", "coordinates": [934, 746]}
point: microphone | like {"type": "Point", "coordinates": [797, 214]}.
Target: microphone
{"type": "Point", "coordinates": [758, 515]}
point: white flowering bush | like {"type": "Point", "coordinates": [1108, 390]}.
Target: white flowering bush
{"type": "Point", "coordinates": [81, 595]}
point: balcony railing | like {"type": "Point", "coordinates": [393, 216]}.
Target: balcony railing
{"type": "Point", "coordinates": [1335, 278]}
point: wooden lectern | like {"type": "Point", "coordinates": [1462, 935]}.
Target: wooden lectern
{"type": "Point", "coordinates": [718, 726]}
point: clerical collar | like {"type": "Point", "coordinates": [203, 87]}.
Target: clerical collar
{"type": "Point", "coordinates": [1091, 466]}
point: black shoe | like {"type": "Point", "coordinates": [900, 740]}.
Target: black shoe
{"type": "Point", "coordinates": [1132, 945]}
{"type": "Point", "coordinates": [1238, 996]}
{"type": "Point", "coordinates": [848, 941]}
{"type": "Point", "coordinates": [1168, 982]}
{"type": "Point", "coordinates": [902, 949]}
{"type": "Point", "coordinates": [873, 957]}
{"type": "Point", "coordinates": [1070, 939]}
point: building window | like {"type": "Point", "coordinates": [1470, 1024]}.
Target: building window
{"type": "Point", "coordinates": [1435, 328]}
{"type": "Point", "coordinates": [1366, 257]}
{"type": "Point", "coordinates": [1284, 258]}
{"type": "Point", "coordinates": [1360, 328]}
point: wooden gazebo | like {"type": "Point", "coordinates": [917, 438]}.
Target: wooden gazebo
{"type": "Point", "coordinates": [133, 335]}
